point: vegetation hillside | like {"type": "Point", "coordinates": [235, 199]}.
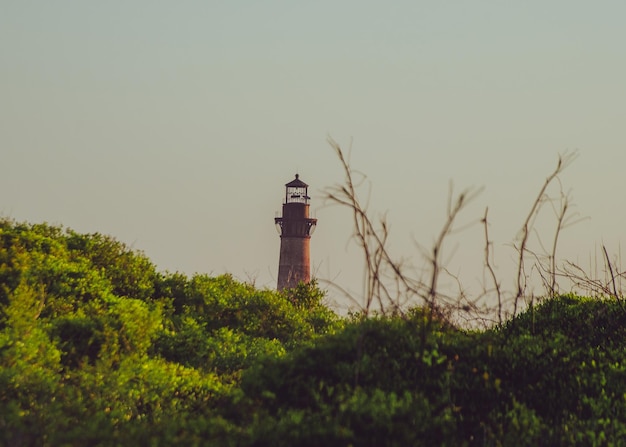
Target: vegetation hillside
{"type": "Point", "coordinates": [99, 348]}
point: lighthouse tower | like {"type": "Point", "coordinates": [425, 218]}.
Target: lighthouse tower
{"type": "Point", "coordinates": [295, 229]}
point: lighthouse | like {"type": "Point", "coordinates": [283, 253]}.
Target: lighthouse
{"type": "Point", "coordinates": [295, 228]}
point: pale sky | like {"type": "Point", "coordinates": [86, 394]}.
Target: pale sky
{"type": "Point", "coordinates": [173, 126]}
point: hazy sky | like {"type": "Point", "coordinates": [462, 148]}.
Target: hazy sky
{"type": "Point", "coordinates": [174, 126]}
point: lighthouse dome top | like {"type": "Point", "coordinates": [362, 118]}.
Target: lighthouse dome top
{"type": "Point", "coordinates": [297, 183]}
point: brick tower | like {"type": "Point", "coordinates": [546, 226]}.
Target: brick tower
{"type": "Point", "coordinates": [295, 229]}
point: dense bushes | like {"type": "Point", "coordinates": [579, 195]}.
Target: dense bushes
{"type": "Point", "coordinates": [98, 348]}
{"type": "Point", "coordinates": [517, 385]}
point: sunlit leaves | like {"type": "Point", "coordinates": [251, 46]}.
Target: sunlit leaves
{"type": "Point", "coordinates": [97, 349]}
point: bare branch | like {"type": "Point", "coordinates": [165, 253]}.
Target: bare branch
{"type": "Point", "coordinates": [492, 273]}
{"type": "Point", "coordinates": [608, 263]}
{"type": "Point", "coordinates": [563, 162]}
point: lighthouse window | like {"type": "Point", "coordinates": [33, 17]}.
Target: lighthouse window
{"type": "Point", "coordinates": [297, 195]}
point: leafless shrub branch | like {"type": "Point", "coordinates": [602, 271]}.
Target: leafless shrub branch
{"type": "Point", "coordinates": [563, 162]}
{"type": "Point", "coordinates": [489, 267]}
{"type": "Point", "coordinates": [388, 285]}
{"type": "Point", "coordinates": [455, 206]}
{"type": "Point", "coordinates": [610, 267]}
{"type": "Point", "coordinates": [371, 239]}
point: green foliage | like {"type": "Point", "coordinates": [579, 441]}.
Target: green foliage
{"type": "Point", "coordinates": [79, 338]}
{"type": "Point", "coordinates": [361, 417]}
{"type": "Point", "coordinates": [584, 321]}
{"type": "Point", "coordinates": [223, 302]}
{"type": "Point", "coordinates": [141, 398]}
{"type": "Point", "coordinates": [131, 273]}
{"type": "Point", "coordinates": [224, 351]}
{"type": "Point", "coordinates": [29, 370]}
{"type": "Point", "coordinates": [96, 348]}
{"type": "Point", "coordinates": [506, 386]}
